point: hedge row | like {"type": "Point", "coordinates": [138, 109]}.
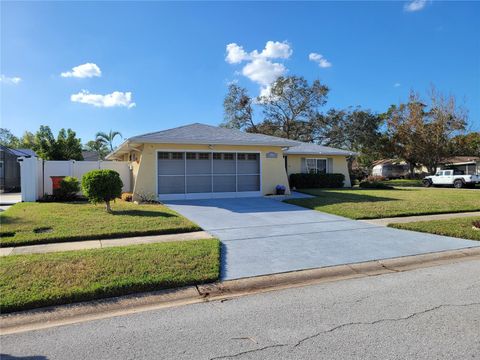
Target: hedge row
{"type": "Point", "coordinates": [304, 181]}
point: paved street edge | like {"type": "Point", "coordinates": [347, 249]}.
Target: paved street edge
{"type": "Point", "coordinates": [79, 312]}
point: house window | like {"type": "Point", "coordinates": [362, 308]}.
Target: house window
{"type": "Point", "coordinates": [316, 166]}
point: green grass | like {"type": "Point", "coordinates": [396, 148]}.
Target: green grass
{"type": "Point", "coordinates": [31, 281]}
{"type": "Point", "coordinates": [82, 221]}
{"type": "Point", "coordinates": [372, 204]}
{"type": "Point", "coordinates": [403, 182]}
{"type": "Point", "coordinates": [460, 227]}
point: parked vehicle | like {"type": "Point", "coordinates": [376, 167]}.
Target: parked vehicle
{"type": "Point", "coordinates": [451, 177]}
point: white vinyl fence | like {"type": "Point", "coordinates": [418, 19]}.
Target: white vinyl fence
{"type": "Point", "coordinates": [35, 174]}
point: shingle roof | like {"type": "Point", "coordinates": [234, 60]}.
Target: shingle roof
{"type": "Point", "coordinates": [208, 134]}
{"type": "Point", "coordinates": [20, 152]}
{"type": "Point", "coordinates": [314, 149]}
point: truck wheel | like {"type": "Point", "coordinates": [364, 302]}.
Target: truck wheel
{"type": "Point", "coordinates": [427, 183]}
{"type": "Point", "coordinates": [458, 184]}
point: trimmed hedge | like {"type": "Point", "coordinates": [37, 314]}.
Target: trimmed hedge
{"type": "Point", "coordinates": [306, 181]}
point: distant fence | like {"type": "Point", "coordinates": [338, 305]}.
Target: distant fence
{"type": "Point", "coordinates": [35, 174]}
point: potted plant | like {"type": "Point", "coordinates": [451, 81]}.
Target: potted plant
{"type": "Point", "coordinates": [280, 189]}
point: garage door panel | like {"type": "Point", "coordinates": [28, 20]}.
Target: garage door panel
{"type": "Point", "coordinates": [199, 184]}
{"type": "Point", "coordinates": [248, 182]}
{"type": "Point", "coordinates": [248, 164]}
{"type": "Point", "coordinates": [171, 184]}
{"type": "Point", "coordinates": [201, 164]}
{"type": "Point", "coordinates": [224, 183]}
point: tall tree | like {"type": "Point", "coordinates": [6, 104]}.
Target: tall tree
{"type": "Point", "coordinates": [97, 146]}
{"type": "Point", "coordinates": [66, 147]}
{"type": "Point", "coordinates": [292, 105]}
{"type": "Point", "coordinates": [465, 145]}
{"type": "Point", "coordinates": [8, 139]}
{"type": "Point", "coordinates": [238, 111]}
{"type": "Point", "coordinates": [27, 141]}
{"type": "Point", "coordinates": [108, 138]}
{"type": "Point", "coordinates": [419, 135]}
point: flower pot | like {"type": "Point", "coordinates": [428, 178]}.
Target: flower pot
{"type": "Point", "coordinates": [280, 191]}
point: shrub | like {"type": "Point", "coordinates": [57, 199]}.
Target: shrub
{"type": "Point", "coordinates": [374, 182]}
{"type": "Point", "coordinates": [476, 224]}
{"type": "Point", "coordinates": [305, 181]}
{"type": "Point", "coordinates": [102, 185]}
{"type": "Point", "coordinates": [127, 196]}
{"type": "Point", "coordinates": [69, 187]}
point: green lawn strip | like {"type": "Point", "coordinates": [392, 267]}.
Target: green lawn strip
{"type": "Point", "coordinates": [459, 227]}
{"type": "Point", "coordinates": [31, 281]}
{"type": "Point", "coordinates": [373, 204]}
{"type": "Point", "coordinates": [41, 223]}
{"type": "Point", "coordinates": [404, 182]}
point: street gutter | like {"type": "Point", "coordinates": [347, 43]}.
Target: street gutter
{"type": "Point", "coordinates": [124, 305]}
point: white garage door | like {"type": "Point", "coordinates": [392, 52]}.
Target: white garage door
{"type": "Point", "coordinates": [189, 175]}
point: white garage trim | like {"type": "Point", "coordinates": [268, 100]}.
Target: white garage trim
{"type": "Point", "coordinates": [211, 194]}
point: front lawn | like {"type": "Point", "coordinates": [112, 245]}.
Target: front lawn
{"type": "Point", "coordinates": [372, 204]}
{"type": "Point", "coordinates": [40, 223]}
{"type": "Point", "coordinates": [30, 281]}
{"type": "Point", "coordinates": [460, 227]}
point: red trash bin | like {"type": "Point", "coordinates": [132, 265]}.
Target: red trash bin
{"type": "Point", "coordinates": [56, 180]}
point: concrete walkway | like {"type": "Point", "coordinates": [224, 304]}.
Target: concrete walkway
{"type": "Point", "coordinates": [97, 244]}
{"type": "Point", "coordinates": [407, 219]}
{"type": "Point", "coordinates": [262, 236]}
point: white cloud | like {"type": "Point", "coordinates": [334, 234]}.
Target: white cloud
{"type": "Point", "coordinates": [236, 54]}
{"type": "Point", "coordinates": [87, 70]}
{"type": "Point", "coordinates": [116, 98]}
{"type": "Point", "coordinates": [320, 60]}
{"type": "Point", "coordinates": [259, 66]}
{"type": "Point", "coordinates": [397, 85]}
{"type": "Point", "coordinates": [415, 5]}
{"type": "Point", "coordinates": [14, 80]}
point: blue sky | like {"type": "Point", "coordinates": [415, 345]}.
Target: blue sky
{"type": "Point", "coordinates": [165, 63]}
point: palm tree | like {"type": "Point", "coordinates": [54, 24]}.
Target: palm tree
{"type": "Point", "coordinates": [108, 138]}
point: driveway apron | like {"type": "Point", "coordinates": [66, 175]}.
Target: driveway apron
{"type": "Point", "coordinates": [264, 236]}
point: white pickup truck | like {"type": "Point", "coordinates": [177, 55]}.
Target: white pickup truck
{"type": "Point", "coordinates": [451, 177]}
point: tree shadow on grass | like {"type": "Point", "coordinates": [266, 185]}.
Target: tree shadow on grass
{"type": "Point", "coordinates": [11, 357]}
{"type": "Point", "coordinates": [338, 197]}
{"type": "Point", "coordinates": [143, 213]}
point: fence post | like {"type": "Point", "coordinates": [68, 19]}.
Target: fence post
{"type": "Point", "coordinates": [28, 178]}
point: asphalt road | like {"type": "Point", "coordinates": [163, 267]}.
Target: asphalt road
{"type": "Point", "coordinates": [431, 313]}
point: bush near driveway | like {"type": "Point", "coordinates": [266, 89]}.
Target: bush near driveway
{"type": "Point", "coordinates": [459, 227]}
{"type": "Point", "coordinates": [305, 181]}
{"type": "Point", "coordinates": [40, 223]}
{"type": "Point", "coordinates": [30, 281]}
{"type": "Point", "coordinates": [373, 204]}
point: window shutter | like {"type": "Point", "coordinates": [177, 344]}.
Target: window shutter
{"type": "Point", "coordinates": [303, 166]}
{"type": "Point", "coordinates": [329, 165]}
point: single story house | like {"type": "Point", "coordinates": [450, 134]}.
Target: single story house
{"type": "Point", "coordinates": [204, 161]}
{"type": "Point", "coordinates": [469, 165]}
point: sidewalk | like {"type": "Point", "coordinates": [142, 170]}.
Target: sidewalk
{"type": "Point", "coordinates": [407, 219]}
{"type": "Point", "coordinates": [97, 244]}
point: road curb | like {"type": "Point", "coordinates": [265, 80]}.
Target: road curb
{"type": "Point", "coordinates": [130, 304]}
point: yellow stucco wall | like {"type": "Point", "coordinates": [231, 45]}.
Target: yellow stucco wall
{"type": "Point", "coordinates": [294, 165]}
{"type": "Point", "coordinates": [145, 176]}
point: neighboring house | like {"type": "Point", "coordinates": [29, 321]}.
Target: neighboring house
{"type": "Point", "coordinates": [203, 161]}
{"type": "Point", "coordinates": [90, 155]}
{"type": "Point", "coordinates": [10, 168]}
{"type": "Point", "coordinates": [390, 168]}
{"type": "Point", "coordinates": [469, 165]}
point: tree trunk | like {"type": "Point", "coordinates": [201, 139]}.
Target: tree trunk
{"type": "Point", "coordinates": [107, 207]}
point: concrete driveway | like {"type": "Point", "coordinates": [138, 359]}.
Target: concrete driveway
{"type": "Point", "coordinates": [265, 236]}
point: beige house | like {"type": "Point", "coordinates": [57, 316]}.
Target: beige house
{"type": "Point", "coordinates": [202, 161]}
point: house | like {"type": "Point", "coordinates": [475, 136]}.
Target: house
{"type": "Point", "coordinates": [469, 165]}
{"type": "Point", "coordinates": [390, 168]}
{"type": "Point", "coordinates": [204, 161]}
{"type": "Point", "coordinates": [10, 168]}
{"type": "Point", "coordinates": [90, 155]}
